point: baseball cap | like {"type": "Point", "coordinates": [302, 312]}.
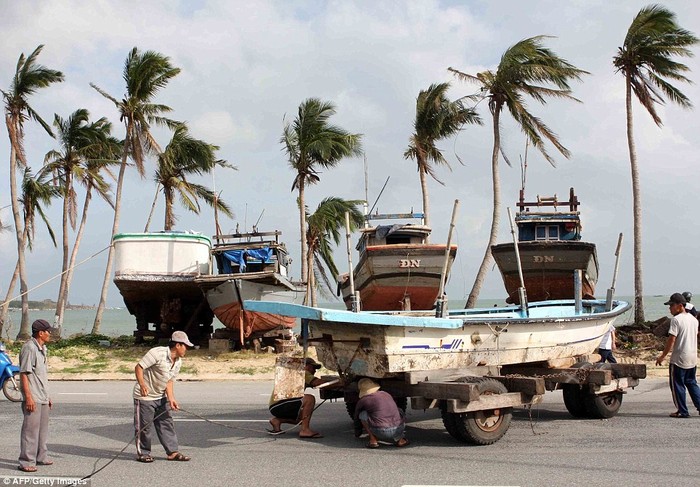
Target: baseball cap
{"type": "Point", "coordinates": [41, 325]}
{"type": "Point", "coordinates": [313, 363]}
{"type": "Point", "coordinates": [181, 337]}
{"type": "Point", "coordinates": [676, 298]}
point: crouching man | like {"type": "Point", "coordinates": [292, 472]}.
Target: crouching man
{"type": "Point", "coordinates": [380, 416]}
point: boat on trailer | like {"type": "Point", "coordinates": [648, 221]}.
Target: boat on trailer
{"type": "Point", "coordinates": [550, 249]}
{"type": "Point", "coordinates": [384, 344]}
{"type": "Point", "coordinates": [397, 268]}
{"type": "Point", "coordinates": [251, 266]}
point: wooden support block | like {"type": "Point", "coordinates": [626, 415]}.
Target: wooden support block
{"type": "Point", "coordinates": [493, 401]}
{"type": "Point", "coordinates": [564, 376]}
{"type": "Point", "coordinates": [461, 391]}
{"type": "Point", "coordinates": [443, 375]}
{"type": "Point", "coordinates": [526, 385]}
{"type": "Point", "coordinates": [219, 345]}
{"type": "Point", "coordinates": [636, 371]}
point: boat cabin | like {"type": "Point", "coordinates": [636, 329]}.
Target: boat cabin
{"type": "Point", "coordinates": [396, 234]}
{"type": "Point", "coordinates": [537, 225]}
{"type": "Point", "coordinates": [240, 253]}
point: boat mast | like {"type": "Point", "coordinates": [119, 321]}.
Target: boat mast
{"type": "Point", "coordinates": [522, 294]}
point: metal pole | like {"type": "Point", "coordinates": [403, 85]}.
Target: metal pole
{"type": "Point", "coordinates": [353, 298]}
{"type": "Point", "coordinates": [441, 308]}
{"type": "Point", "coordinates": [611, 291]}
{"type": "Point", "coordinates": [578, 291]}
{"type": "Point", "coordinates": [522, 294]}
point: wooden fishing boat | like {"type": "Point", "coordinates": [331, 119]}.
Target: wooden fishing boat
{"type": "Point", "coordinates": [383, 344]}
{"type": "Point", "coordinates": [397, 268]}
{"type": "Point", "coordinates": [155, 274]}
{"type": "Point", "coordinates": [550, 249]}
{"type": "Point", "coordinates": [250, 266]}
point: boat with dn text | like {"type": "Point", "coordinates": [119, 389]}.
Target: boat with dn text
{"type": "Point", "coordinates": [397, 269]}
{"type": "Point", "coordinates": [551, 250]}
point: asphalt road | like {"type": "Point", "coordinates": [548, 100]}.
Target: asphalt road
{"type": "Point", "coordinates": [92, 421]}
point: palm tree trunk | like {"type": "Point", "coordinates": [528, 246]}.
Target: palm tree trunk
{"type": "Point", "coordinates": [76, 245]}
{"type": "Point", "coordinates": [495, 219]}
{"type": "Point", "coordinates": [302, 229]}
{"type": "Point", "coordinates": [310, 280]}
{"type": "Point", "coordinates": [13, 130]}
{"type": "Point", "coordinates": [153, 208]}
{"type": "Point", "coordinates": [8, 296]}
{"type": "Point", "coordinates": [169, 219]}
{"type": "Point", "coordinates": [115, 229]}
{"type": "Point", "coordinates": [61, 301]}
{"type": "Point", "coordinates": [637, 210]}
{"type": "Point", "coordinates": [426, 199]}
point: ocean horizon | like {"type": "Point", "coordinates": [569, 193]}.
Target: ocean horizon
{"type": "Point", "coordinates": [118, 321]}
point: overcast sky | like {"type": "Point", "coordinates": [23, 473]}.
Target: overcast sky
{"type": "Point", "coordinates": [247, 65]}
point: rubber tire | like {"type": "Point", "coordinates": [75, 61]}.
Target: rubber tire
{"type": "Point", "coordinates": [575, 400]}
{"type": "Point", "coordinates": [603, 406]}
{"type": "Point", "coordinates": [449, 420]}
{"type": "Point", "coordinates": [12, 390]}
{"type": "Point", "coordinates": [476, 427]}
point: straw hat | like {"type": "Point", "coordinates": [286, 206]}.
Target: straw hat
{"type": "Point", "coordinates": [367, 386]}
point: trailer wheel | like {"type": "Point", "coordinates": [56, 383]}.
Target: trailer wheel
{"type": "Point", "coordinates": [603, 406]}
{"type": "Point", "coordinates": [575, 400]}
{"type": "Point", "coordinates": [449, 420]}
{"type": "Point", "coordinates": [483, 427]}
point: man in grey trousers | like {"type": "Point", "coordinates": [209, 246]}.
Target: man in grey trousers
{"type": "Point", "coordinates": [36, 403]}
{"type": "Point", "coordinates": [154, 398]}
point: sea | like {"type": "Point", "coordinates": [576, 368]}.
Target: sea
{"type": "Point", "coordinates": [118, 321]}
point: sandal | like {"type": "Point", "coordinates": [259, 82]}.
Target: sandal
{"type": "Point", "coordinates": [144, 459]}
{"type": "Point", "coordinates": [678, 415]}
{"type": "Point", "coordinates": [401, 443]}
{"type": "Point", "coordinates": [179, 457]}
{"type": "Point", "coordinates": [29, 469]}
{"type": "Point", "coordinates": [372, 446]}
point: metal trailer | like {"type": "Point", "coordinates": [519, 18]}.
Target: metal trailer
{"type": "Point", "coordinates": [477, 404]}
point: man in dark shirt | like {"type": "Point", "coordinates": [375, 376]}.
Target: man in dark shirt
{"type": "Point", "coordinates": [379, 415]}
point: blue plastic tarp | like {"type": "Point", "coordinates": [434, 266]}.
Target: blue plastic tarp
{"type": "Point", "coordinates": [241, 257]}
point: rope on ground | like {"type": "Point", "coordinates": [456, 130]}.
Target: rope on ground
{"type": "Point", "coordinates": [96, 470]}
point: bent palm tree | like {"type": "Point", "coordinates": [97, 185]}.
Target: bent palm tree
{"type": "Point", "coordinates": [37, 190]}
{"type": "Point", "coordinates": [325, 224]}
{"type": "Point", "coordinates": [311, 142]}
{"type": "Point", "coordinates": [184, 156]}
{"type": "Point", "coordinates": [522, 71]}
{"type": "Point", "coordinates": [28, 78]}
{"type": "Point", "coordinates": [79, 141]}
{"type": "Point", "coordinates": [145, 74]}
{"type": "Point", "coordinates": [645, 60]}
{"type": "Point", "coordinates": [437, 118]}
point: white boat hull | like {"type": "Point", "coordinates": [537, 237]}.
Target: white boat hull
{"type": "Point", "coordinates": [383, 345]}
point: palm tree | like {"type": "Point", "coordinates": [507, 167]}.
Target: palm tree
{"type": "Point", "coordinates": [325, 224]}
{"type": "Point", "coordinates": [311, 142]}
{"type": "Point", "coordinates": [145, 74]}
{"type": "Point", "coordinates": [29, 77]}
{"type": "Point", "coordinates": [37, 190]}
{"type": "Point", "coordinates": [437, 118]}
{"type": "Point", "coordinates": [523, 70]}
{"type": "Point", "coordinates": [79, 142]}
{"type": "Point", "coordinates": [645, 60]}
{"type": "Point", "coordinates": [184, 156]}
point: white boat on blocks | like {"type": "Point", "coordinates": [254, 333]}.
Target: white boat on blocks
{"type": "Point", "coordinates": [387, 344]}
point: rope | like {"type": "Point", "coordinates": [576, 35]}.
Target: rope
{"type": "Point", "coordinates": [95, 470]}
{"type": "Point", "coordinates": [56, 276]}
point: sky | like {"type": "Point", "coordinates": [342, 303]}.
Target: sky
{"type": "Point", "coordinates": [247, 66]}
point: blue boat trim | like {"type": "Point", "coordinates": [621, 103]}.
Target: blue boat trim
{"type": "Point", "coordinates": [539, 312]}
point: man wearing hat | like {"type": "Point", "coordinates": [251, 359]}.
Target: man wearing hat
{"type": "Point", "coordinates": [683, 341]}
{"type": "Point", "coordinates": [297, 409]}
{"type": "Point", "coordinates": [380, 416]}
{"type": "Point", "coordinates": [34, 381]}
{"type": "Point", "coordinates": [154, 398]}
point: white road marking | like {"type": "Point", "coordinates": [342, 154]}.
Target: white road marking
{"type": "Point", "coordinates": [82, 393]}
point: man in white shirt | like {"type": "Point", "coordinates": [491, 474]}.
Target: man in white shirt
{"type": "Point", "coordinates": [154, 398]}
{"type": "Point", "coordinates": [683, 340]}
